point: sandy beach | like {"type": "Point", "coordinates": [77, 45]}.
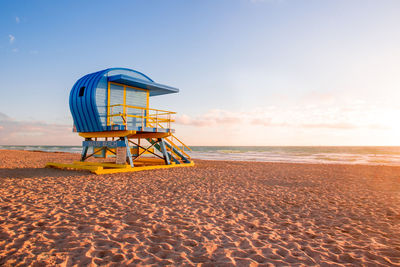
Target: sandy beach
{"type": "Point", "coordinates": [216, 213]}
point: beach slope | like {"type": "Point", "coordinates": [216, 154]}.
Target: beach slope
{"type": "Point", "coordinates": [215, 213]}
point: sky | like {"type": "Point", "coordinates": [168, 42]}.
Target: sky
{"type": "Point", "coordinates": [250, 72]}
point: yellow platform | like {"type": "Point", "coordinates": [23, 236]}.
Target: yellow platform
{"type": "Point", "coordinates": [109, 167]}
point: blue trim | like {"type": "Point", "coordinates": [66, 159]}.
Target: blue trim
{"type": "Point", "coordinates": [109, 144]}
{"type": "Point", "coordinates": [115, 128]}
{"type": "Point", "coordinates": [138, 129]}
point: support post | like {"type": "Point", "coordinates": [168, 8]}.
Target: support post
{"type": "Point", "coordinates": [85, 150]}
{"type": "Point", "coordinates": [164, 150]}
{"type": "Point", "coordinates": [128, 151]}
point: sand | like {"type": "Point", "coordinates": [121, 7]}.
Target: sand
{"type": "Point", "coordinates": [213, 214]}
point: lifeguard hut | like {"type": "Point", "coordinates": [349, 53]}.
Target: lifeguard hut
{"type": "Point", "coordinates": [111, 112]}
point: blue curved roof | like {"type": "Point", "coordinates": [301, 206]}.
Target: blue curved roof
{"type": "Point", "coordinates": [84, 108]}
{"type": "Point", "coordinates": [154, 88]}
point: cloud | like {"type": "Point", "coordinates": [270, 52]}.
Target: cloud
{"type": "Point", "coordinates": [356, 115]}
{"type": "Point", "coordinates": [14, 132]}
{"type": "Point", "coordinates": [339, 125]}
{"type": "Point", "coordinates": [212, 118]}
{"type": "Point", "coordinates": [17, 20]}
{"type": "Point", "coordinates": [11, 38]}
{"type": "Point", "coordinates": [186, 120]}
{"type": "Point", "coordinates": [15, 50]}
{"type": "Point", "coordinates": [4, 117]}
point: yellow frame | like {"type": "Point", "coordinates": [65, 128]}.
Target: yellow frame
{"type": "Point", "coordinates": [124, 104]}
{"type": "Point", "coordinates": [150, 118]}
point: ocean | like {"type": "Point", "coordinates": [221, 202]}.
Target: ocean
{"type": "Point", "coordinates": [388, 155]}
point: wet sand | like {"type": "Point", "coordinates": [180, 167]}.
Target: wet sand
{"type": "Point", "coordinates": [213, 214]}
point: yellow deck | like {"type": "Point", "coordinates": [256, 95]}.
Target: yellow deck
{"type": "Point", "coordinates": [109, 167]}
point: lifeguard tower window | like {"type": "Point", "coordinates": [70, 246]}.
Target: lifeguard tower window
{"type": "Point", "coordinates": [82, 91]}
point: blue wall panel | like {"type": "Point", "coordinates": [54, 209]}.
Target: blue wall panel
{"type": "Point", "coordinates": [77, 115]}
{"type": "Point", "coordinates": [101, 100]}
{"type": "Point", "coordinates": [87, 103]}
{"type": "Point", "coordinates": [94, 109]}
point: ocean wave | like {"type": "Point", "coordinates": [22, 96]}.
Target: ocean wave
{"type": "Point", "coordinates": [325, 158]}
{"type": "Point", "coordinates": [324, 155]}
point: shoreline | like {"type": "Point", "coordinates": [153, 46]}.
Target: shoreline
{"type": "Point", "coordinates": [215, 213]}
{"type": "Point", "coordinates": [239, 160]}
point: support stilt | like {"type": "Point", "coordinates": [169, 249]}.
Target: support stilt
{"type": "Point", "coordinates": [164, 150]}
{"type": "Point", "coordinates": [85, 150]}
{"type": "Point", "coordinates": [128, 151]}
